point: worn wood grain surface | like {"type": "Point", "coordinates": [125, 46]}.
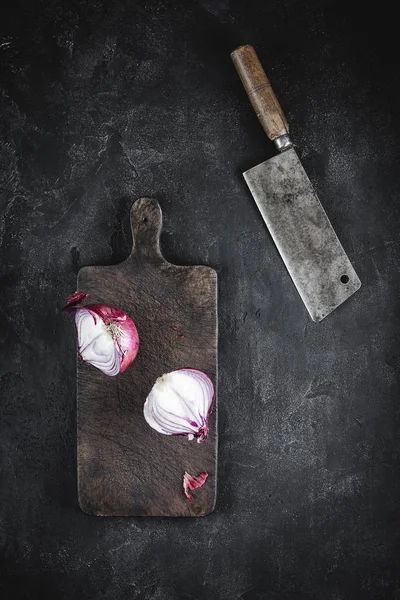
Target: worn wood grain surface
{"type": "Point", "coordinates": [124, 466]}
{"type": "Point", "coordinates": [260, 92]}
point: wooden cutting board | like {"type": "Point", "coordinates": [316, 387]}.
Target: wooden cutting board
{"type": "Point", "coordinates": [124, 466]}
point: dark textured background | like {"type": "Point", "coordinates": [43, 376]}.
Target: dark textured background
{"type": "Point", "coordinates": [104, 102]}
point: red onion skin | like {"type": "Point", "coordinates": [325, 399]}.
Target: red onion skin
{"type": "Point", "coordinates": [191, 483]}
{"type": "Point", "coordinates": [203, 433]}
{"type": "Point", "coordinates": [74, 299]}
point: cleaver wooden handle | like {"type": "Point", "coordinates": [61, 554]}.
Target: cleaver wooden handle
{"type": "Point", "coordinates": [260, 92]}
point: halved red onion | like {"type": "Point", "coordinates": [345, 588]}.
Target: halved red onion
{"type": "Point", "coordinates": [191, 483]}
{"type": "Point", "coordinates": [179, 404]}
{"type": "Point", "coordinates": [107, 336]}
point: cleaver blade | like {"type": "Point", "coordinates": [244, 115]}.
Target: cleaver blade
{"type": "Point", "coordinates": [303, 234]}
{"type": "Point", "coordinates": [298, 224]}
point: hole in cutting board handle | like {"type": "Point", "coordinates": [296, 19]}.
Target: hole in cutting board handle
{"type": "Point", "coordinates": [344, 279]}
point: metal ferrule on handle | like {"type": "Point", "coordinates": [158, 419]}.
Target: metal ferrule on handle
{"type": "Point", "coordinates": [283, 142]}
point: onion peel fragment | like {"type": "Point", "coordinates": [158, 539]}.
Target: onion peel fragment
{"type": "Point", "coordinates": [191, 482]}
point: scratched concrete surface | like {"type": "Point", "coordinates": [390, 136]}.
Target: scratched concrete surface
{"type": "Point", "coordinates": [102, 102]}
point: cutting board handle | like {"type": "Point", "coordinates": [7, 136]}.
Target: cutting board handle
{"type": "Point", "coordinates": [260, 92]}
{"type": "Point", "coordinates": [146, 225]}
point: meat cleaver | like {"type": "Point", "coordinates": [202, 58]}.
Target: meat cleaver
{"type": "Point", "coordinates": [299, 226]}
